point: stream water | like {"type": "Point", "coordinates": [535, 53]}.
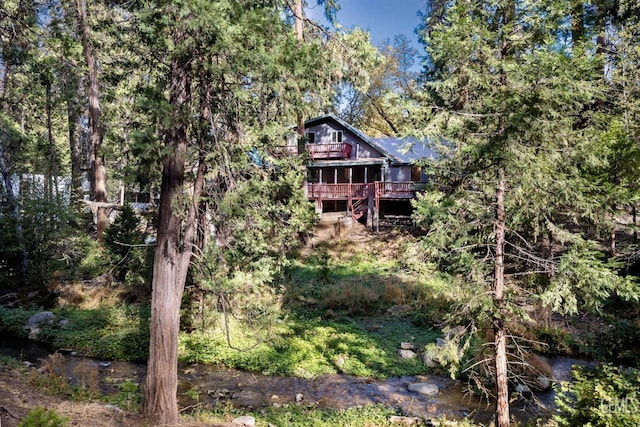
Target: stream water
{"type": "Point", "coordinates": [219, 385]}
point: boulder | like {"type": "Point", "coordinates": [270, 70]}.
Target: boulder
{"type": "Point", "coordinates": [426, 389]}
{"type": "Point", "coordinates": [406, 354]}
{"type": "Point", "coordinates": [407, 346]}
{"type": "Point", "coordinates": [35, 320]}
{"type": "Point", "coordinates": [244, 421]}
{"type": "Point", "coordinates": [33, 323]}
{"type": "Point", "coordinates": [430, 360]}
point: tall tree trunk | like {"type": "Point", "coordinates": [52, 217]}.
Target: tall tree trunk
{"type": "Point", "coordinates": [72, 95]}
{"type": "Point", "coordinates": [98, 173]}
{"type": "Point", "coordinates": [173, 252]}
{"type": "Point", "coordinates": [52, 163]}
{"type": "Point", "coordinates": [499, 332]}
{"type": "Point", "coordinates": [5, 171]}
{"type": "Point", "coordinates": [298, 12]}
{"type": "Point", "coordinates": [634, 214]}
{"type": "Point", "coordinates": [500, 338]}
{"type": "Point", "coordinates": [612, 232]}
{"type": "Point", "coordinates": [14, 209]}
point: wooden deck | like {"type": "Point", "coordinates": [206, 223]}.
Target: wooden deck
{"type": "Point", "coordinates": [339, 150]}
{"type": "Point", "coordinates": [381, 190]}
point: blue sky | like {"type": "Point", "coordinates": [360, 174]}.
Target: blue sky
{"type": "Point", "coordinates": [382, 18]}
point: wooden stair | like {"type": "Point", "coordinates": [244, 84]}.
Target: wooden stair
{"type": "Point", "coordinates": [358, 207]}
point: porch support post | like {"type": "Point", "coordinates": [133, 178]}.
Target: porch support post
{"type": "Point", "coordinates": [371, 211]}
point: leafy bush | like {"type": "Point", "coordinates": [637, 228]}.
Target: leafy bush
{"type": "Point", "coordinates": [129, 396]}
{"type": "Point", "coordinates": [606, 397]}
{"type": "Point", "coordinates": [13, 320]}
{"type": "Point", "coordinates": [41, 417]}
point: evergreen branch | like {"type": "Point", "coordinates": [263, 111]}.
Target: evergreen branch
{"type": "Point", "coordinates": [463, 114]}
{"type": "Point", "coordinates": [548, 263]}
{"type": "Point", "coordinates": [129, 245]}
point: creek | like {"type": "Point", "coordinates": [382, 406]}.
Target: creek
{"type": "Point", "coordinates": [205, 386]}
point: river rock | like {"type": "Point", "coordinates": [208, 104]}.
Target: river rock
{"type": "Point", "coordinates": [244, 421]}
{"type": "Point", "coordinates": [406, 354]}
{"type": "Point", "coordinates": [427, 389]}
{"type": "Point", "coordinates": [430, 360]}
{"type": "Point", "coordinates": [114, 409]}
{"type": "Point", "coordinates": [543, 382]}
{"type": "Point", "coordinates": [407, 346]}
{"type": "Point", "coordinates": [38, 318]}
{"type": "Point", "coordinates": [299, 397]}
{"type": "Point", "coordinates": [33, 323]}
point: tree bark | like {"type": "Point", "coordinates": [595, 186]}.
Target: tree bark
{"type": "Point", "coordinates": [499, 332]}
{"type": "Point", "coordinates": [52, 164]}
{"type": "Point", "coordinates": [500, 338]}
{"type": "Point", "coordinates": [634, 214]}
{"type": "Point", "coordinates": [73, 118]}
{"type": "Point", "coordinates": [174, 248]}
{"type": "Point", "coordinates": [98, 174]}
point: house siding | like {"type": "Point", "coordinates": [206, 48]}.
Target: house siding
{"type": "Point", "coordinates": [373, 178]}
{"type": "Point", "coordinates": [359, 150]}
{"type": "Point", "coordinates": [400, 173]}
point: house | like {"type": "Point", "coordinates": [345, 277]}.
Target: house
{"type": "Point", "coordinates": [369, 178]}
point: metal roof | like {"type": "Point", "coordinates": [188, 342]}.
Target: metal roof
{"type": "Point", "coordinates": [407, 149]}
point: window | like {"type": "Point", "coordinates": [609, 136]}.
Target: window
{"type": "Point", "coordinates": [311, 137]}
{"type": "Point", "coordinates": [336, 136]}
{"type": "Point", "coordinates": [313, 175]}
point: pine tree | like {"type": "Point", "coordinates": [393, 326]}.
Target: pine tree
{"type": "Point", "coordinates": [508, 198]}
{"type": "Point", "coordinates": [234, 78]}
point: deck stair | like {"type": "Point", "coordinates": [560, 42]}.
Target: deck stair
{"type": "Point", "coordinates": [358, 207]}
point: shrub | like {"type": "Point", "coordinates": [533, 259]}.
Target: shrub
{"type": "Point", "coordinates": [41, 417]}
{"type": "Point", "coordinates": [606, 396]}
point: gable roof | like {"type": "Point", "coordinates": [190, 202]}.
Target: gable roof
{"type": "Point", "coordinates": [398, 150]}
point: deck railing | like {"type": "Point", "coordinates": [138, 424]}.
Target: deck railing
{"type": "Point", "coordinates": [339, 191]}
{"type": "Point", "coordinates": [395, 189]}
{"type": "Point", "coordinates": [338, 150]}
{"type": "Point", "coordinates": [392, 189]}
